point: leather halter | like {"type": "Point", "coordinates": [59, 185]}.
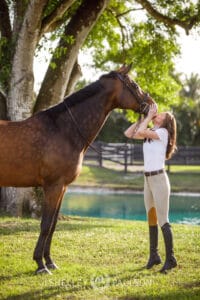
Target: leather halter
{"type": "Point", "coordinates": [132, 86]}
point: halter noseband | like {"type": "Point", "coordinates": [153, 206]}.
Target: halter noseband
{"type": "Point", "coordinates": [143, 105]}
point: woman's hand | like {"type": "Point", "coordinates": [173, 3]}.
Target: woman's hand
{"type": "Point", "coordinates": [152, 111]}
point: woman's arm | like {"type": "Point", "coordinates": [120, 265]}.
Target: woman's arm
{"type": "Point", "coordinates": [132, 130]}
{"type": "Point", "coordinates": [139, 130]}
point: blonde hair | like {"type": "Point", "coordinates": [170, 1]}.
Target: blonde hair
{"type": "Point", "coordinates": [170, 124]}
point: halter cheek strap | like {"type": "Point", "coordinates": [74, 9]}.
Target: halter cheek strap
{"type": "Point", "coordinates": [143, 105]}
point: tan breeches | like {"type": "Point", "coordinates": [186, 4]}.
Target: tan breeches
{"type": "Point", "coordinates": [156, 198]}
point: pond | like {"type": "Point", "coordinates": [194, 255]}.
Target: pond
{"type": "Point", "coordinates": [184, 208]}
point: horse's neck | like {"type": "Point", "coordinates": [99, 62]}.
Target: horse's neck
{"type": "Point", "coordinates": [90, 116]}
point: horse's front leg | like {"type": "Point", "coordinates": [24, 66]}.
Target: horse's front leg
{"type": "Point", "coordinates": [49, 262]}
{"type": "Point", "coordinates": [53, 197]}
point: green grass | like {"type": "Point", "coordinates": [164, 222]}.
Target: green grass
{"type": "Point", "coordinates": [185, 169]}
{"type": "Point", "coordinates": [182, 178]}
{"type": "Point", "coordinates": [98, 259]}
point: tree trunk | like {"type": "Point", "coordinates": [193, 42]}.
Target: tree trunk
{"type": "Point", "coordinates": [3, 108]}
{"type": "Point", "coordinates": [20, 97]}
{"type": "Point", "coordinates": [21, 201]}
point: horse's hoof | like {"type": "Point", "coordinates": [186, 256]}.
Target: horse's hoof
{"type": "Point", "coordinates": [52, 266]}
{"type": "Point", "coordinates": [42, 271]}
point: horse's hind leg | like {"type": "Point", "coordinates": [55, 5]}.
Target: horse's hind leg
{"type": "Point", "coordinates": [49, 262]}
{"type": "Point", "coordinates": [53, 197]}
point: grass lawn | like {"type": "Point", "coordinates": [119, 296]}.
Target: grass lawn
{"type": "Point", "coordinates": [182, 178]}
{"type": "Point", "coordinates": [98, 259]}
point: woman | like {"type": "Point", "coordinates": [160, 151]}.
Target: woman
{"type": "Point", "coordinates": [159, 144]}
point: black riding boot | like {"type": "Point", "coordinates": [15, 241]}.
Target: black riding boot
{"type": "Point", "coordinates": [154, 258]}
{"type": "Point", "coordinates": [170, 261]}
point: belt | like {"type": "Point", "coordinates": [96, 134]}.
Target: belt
{"type": "Point", "coordinates": [154, 172]}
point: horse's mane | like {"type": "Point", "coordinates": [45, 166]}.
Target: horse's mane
{"type": "Point", "coordinates": [81, 95]}
{"type": "Point", "coordinates": [112, 74]}
{"type": "Point", "coordinates": [84, 93]}
{"type": "Point", "coordinates": [88, 91]}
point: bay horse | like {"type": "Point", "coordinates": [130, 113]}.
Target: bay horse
{"type": "Point", "coordinates": [47, 149]}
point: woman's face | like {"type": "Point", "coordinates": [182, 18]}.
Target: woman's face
{"type": "Point", "coordinates": [159, 118]}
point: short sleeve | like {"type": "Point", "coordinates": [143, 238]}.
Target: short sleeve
{"type": "Point", "coordinates": [162, 134]}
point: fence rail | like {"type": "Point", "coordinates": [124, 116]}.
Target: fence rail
{"type": "Point", "coordinates": [131, 154]}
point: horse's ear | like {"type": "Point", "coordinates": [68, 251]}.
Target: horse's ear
{"type": "Point", "coordinates": [129, 67]}
{"type": "Point", "coordinates": [124, 69]}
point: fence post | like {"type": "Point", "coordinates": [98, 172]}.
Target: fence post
{"type": "Point", "coordinates": [132, 154]}
{"type": "Point", "coordinates": [125, 159]}
{"type": "Point", "coordinates": [100, 155]}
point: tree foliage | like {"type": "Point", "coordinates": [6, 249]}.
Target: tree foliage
{"type": "Point", "coordinates": [147, 37]}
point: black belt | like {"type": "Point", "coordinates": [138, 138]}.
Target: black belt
{"type": "Point", "coordinates": [154, 172]}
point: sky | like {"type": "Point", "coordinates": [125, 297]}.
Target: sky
{"type": "Point", "coordinates": [187, 63]}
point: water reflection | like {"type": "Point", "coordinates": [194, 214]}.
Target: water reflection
{"type": "Point", "coordinates": [183, 209]}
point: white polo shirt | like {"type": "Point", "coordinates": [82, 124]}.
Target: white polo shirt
{"type": "Point", "coordinates": [155, 151]}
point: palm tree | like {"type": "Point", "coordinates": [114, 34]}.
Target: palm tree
{"type": "Point", "coordinates": [188, 112]}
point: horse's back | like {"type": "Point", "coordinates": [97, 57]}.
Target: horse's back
{"type": "Point", "coordinates": [20, 152]}
{"type": "Point", "coordinates": [18, 137]}
{"type": "Point", "coordinates": [34, 150]}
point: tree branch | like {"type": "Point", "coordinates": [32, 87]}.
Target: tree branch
{"type": "Point", "coordinates": [121, 26]}
{"type": "Point", "coordinates": [75, 75]}
{"type": "Point", "coordinates": [5, 26]}
{"type": "Point", "coordinates": [77, 29]}
{"type": "Point", "coordinates": [187, 24]}
{"type": "Point", "coordinates": [50, 22]}
{"type": "Point", "coordinates": [128, 11]}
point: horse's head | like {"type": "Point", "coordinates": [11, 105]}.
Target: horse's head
{"type": "Point", "coordinates": [128, 94]}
